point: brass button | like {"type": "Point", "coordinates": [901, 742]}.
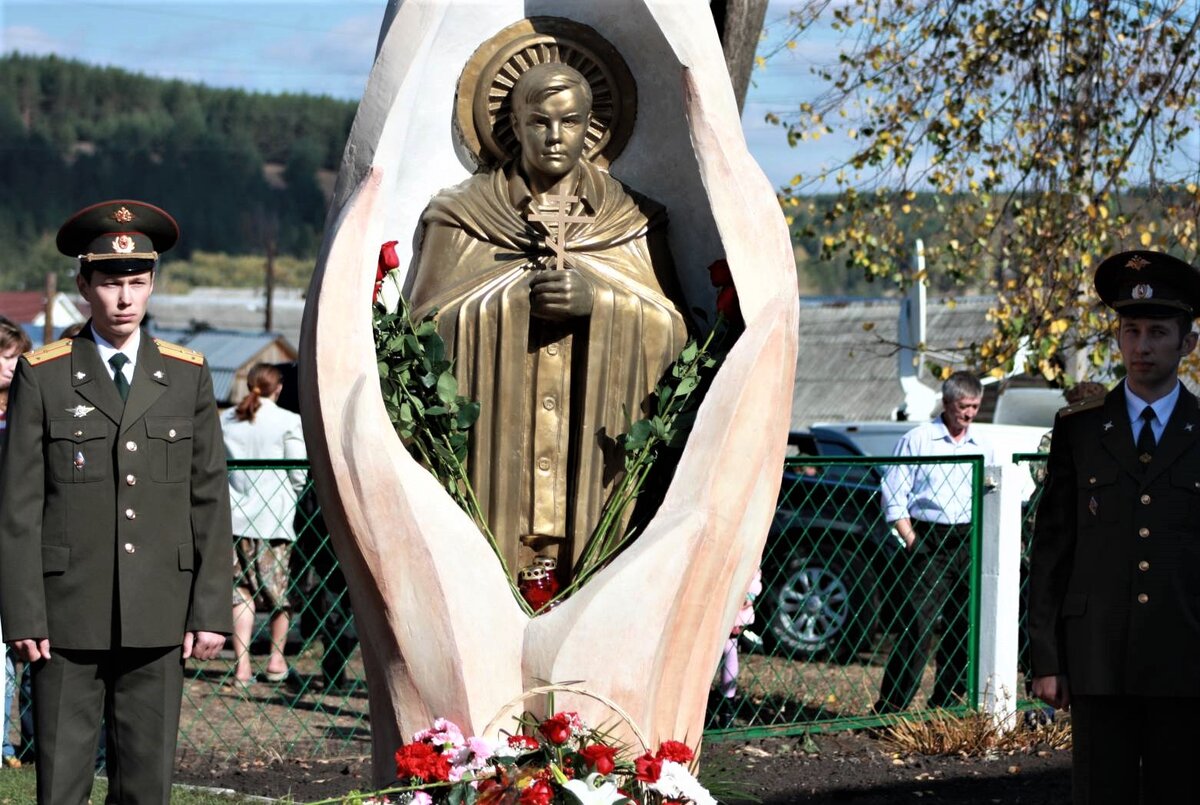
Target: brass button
{"type": "Point", "coordinates": [129, 547]}
{"type": "Point", "coordinates": [130, 514]}
{"type": "Point", "coordinates": [543, 463]}
{"type": "Point", "coordinates": [78, 433]}
{"type": "Point", "coordinates": [1145, 500]}
{"type": "Point", "coordinates": [171, 433]}
{"type": "Point", "coordinates": [548, 403]}
{"type": "Point", "coordinates": [1143, 598]}
{"type": "Point", "coordinates": [1092, 480]}
{"type": "Point", "coordinates": [130, 479]}
{"type": "Point", "coordinates": [552, 349]}
{"type": "Point", "coordinates": [131, 447]}
{"type": "Point", "coordinates": [1143, 532]}
{"type": "Point", "coordinates": [1143, 565]}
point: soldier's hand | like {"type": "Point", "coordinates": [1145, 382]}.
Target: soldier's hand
{"type": "Point", "coordinates": [559, 295]}
{"type": "Point", "coordinates": [1053, 690]}
{"type": "Point", "coordinates": [32, 650]}
{"type": "Point", "coordinates": [202, 645]}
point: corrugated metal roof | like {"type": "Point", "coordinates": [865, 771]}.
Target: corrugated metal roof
{"type": "Point", "coordinates": [847, 366]}
{"type": "Point", "coordinates": [231, 350]}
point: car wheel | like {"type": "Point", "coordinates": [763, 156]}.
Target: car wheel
{"type": "Point", "coordinates": [817, 608]}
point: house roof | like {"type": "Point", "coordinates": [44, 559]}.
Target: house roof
{"type": "Point", "coordinates": [22, 307]}
{"type": "Point", "coordinates": [227, 351]}
{"type": "Point", "coordinates": [847, 367]}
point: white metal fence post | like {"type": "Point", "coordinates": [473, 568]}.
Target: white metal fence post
{"type": "Point", "coordinates": [1000, 586]}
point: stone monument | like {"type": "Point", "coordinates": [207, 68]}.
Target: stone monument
{"type": "Point", "coordinates": [442, 633]}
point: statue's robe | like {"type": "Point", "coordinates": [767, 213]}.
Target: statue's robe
{"type": "Point", "coordinates": [554, 395]}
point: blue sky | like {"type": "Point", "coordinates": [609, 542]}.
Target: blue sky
{"type": "Point", "coordinates": [325, 47]}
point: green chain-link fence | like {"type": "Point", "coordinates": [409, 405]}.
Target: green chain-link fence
{"type": "Point", "coordinates": [844, 605]}
{"type": "Point", "coordinates": [838, 599]}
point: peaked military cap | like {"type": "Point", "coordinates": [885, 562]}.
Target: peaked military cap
{"type": "Point", "coordinates": [121, 236]}
{"type": "Point", "coordinates": [1150, 284]}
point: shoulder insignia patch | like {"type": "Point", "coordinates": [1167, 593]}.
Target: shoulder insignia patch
{"type": "Point", "coordinates": [55, 349]}
{"type": "Point", "coordinates": [1082, 405]}
{"type": "Point", "coordinates": [169, 350]}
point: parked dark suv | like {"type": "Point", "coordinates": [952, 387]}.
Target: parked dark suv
{"type": "Point", "coordinates": [830, 568]}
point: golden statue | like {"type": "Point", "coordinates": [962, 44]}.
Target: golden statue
{"type": "Point", "coordinates": [558, 302]}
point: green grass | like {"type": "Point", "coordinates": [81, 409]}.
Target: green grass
{"type": "Point", "coordinates": [19, 787]}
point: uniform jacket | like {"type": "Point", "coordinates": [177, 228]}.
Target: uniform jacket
{"type": "Point", "coordinates": [114, 517]}
{"type": "Point", "coordinates": [264, 501]}
{"type": "Point", "coordinates": [1114, 585]}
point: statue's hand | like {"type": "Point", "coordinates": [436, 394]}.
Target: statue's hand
{"type": "Point", "coordinates": [559, 295]}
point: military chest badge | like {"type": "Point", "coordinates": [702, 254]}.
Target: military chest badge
{"type": "Point", "coordinates": [79, 462]}
{"type": "Point", "coordinates": [1093, 506]}
{"type": "Point", "coordinates": [80, 375]}
{"type": "Point", "coordinates": [80, 411]}
{"type": "Point", "coordinates": [158, 374]}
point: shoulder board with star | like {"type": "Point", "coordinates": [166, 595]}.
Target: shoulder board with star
{"type": "Point", "coordinates": [169, 350]}
{"type": "Point", "coordinates": [1082, 405]}
{"type": "Point", "coordinates": [55, 349]}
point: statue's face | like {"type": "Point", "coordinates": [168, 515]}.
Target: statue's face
{"type": "Point", "coordinates": [552, 132]}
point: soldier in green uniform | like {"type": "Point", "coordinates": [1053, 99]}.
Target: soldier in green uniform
{"type": "Point", "coordinates": [114, 521]}
{"type": "Point", "coordinates": [1114, 583]}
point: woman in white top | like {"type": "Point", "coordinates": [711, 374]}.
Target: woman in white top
{"type": "Point", "coordinates": [263, 504]}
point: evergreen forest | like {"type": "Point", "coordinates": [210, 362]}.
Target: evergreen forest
{"type": "Point", "coordinates": [242, 172]}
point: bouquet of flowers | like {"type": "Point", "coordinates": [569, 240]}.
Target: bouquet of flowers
{"type": "Point", "coordinates": [559, 761]}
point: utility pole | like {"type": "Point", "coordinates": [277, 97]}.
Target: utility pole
{"type": "Point", "coordinates": [269, 323]}
{"type": "Point", "coordinates": [51, 293]}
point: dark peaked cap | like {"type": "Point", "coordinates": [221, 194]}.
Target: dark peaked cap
{"type": "Point", "coordinates": [121, 236]}
{"type": "Point", "coordinates": [1150, 284]}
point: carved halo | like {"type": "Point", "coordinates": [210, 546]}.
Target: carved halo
{"type": "Point", "coordinates": [482, 104]}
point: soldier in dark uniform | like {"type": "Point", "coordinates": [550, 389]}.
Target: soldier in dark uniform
{"type": "Point", "coordinates": [114, 521]}
{"type": "Point", "coordinates": [1114, 585]}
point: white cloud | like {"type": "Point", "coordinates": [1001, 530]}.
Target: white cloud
{"type": "Point", "coordinates": [31, 40]}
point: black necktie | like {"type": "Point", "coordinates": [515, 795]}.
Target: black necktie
{"type": "Point", "coordinates": [117, 362]}
{"type": "Point", "coordinates": [1146, 442]}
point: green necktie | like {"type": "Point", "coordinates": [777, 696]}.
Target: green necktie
{"type": "Point", "coordinates": [1146, 442]}
{"type": "Point", "coordinates": [117, 362]}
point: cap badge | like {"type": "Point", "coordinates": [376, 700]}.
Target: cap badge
{"type": "Point", "coordinates": [1142, 291]}
{"type": "Point", "coordinates": [123, 244]}
{"type": "Point", "coordinates": [122, 216]}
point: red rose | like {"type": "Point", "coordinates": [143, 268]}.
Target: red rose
{"type": "Point", "coordinates": [526, 743]}
{"type": "Point", "coordinates": [647, 768]}
{"type": "Point", "coordinates": [675, 751]}
{"type": "Point", "coordinates": [728, 304]}
{"type": "Point", "coordinates": [537, 793]}
{"type": "Point", "coordinates": [720, 275]}
{"type": "Point", "coordinates": [600, 757]}
{"type": "Point", "coordinates": [557, 728]}
{"type": "Point", "coordinates": [387, 261]}
{"type": "Point", "coordinates": [422, 761]}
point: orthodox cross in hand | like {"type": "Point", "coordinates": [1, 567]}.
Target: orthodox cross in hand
{"type": "Point", "coordinates": [556, 223]}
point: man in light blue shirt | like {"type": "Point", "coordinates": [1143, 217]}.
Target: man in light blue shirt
{"type": "Point", "coordinates": [930, 505]}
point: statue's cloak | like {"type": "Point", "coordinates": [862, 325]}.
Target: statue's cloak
{"type": "Point", "coordinates": [554, 396]}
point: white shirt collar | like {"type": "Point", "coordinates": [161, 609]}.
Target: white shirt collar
{"type": "Point", "coordinates": [1163, 406]}
{"type": "Point", "coordinates": [130, 350]}
{"type": "Point", "coordinates": [944, 432]}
